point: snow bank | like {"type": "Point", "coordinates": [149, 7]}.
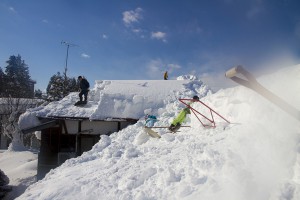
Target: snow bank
{"type": "Point", "coordinates": [119, 99]}
{"type": "Point", "coordinates": [254, 157]}
{"type": "Point", "coordinates": [20, 167]}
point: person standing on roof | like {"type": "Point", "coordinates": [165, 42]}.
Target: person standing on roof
{"type": "Point", "coordinates": [177, 122]}
{"type": "Point", "coordinates": [166, 75]}
{"type": "Point", "coordinates": [84, 86]}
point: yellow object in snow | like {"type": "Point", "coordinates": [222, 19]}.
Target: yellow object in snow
{"type": "Point", "coordinates": [181, 116]}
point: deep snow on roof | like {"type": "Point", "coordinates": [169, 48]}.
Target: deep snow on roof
{"type": "Point", "coordinates": [120, 99]}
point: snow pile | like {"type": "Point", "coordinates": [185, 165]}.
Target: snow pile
{"type": "Point", "coordinates": [20, 167]}
{"type": "Point", "coordinates": [187, 77]}
{"type": "Point", "coordinates": [254, 157]}
{"type": "Point", "coordinates": [119, 99]}
{"type": "Point", "coordinates": [134, 99]}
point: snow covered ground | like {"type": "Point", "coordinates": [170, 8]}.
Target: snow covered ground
{"type": "Point", "coordinates": [20, 167]}
{"type": "Point", "coordinates": [254, 157]}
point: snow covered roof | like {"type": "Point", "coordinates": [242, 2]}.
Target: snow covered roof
{"type": "Point", "coordinates": [121, 99]}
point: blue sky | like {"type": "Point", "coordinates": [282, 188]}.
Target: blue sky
{"type": "Point", "coordinates": [140, 39]}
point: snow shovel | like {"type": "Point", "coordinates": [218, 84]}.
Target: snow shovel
{"type": "Point", "coordinates": [251, 82]}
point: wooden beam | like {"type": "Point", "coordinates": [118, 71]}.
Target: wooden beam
{"type": "Point", "coordinates": [40, 127]}
{"type": "Point", "coordinates": [119, 126]}
{"type": "Point", "coordinates": [65, 127]}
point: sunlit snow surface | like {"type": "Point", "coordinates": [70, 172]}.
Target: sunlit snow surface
{"type": "Point", "coordinates": [120, 99]}
{"type": "Point", "coordinates": [254, 157]}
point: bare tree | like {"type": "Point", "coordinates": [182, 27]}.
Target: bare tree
{"type": "Point", "coordinates": [11, 109]}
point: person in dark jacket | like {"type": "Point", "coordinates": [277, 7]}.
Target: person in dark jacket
{"type": "Point", "coordinates": [166, 75]}
{"type": "Point", "coordinates": [84, 86]}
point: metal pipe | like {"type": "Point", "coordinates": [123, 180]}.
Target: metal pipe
{"type": "Point", "coordinates": [252, 83]}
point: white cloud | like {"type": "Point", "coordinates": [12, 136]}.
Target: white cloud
{"type": "Point", "coordinates": [156, 68]}
{"type": "Point", "coordinates": [137, 30]}
{"type": "Point", "coordinates": [83, 55]}
{"type": "Point", "coordinates": [104, 36]}
{"type": "Point", "coordinates": [159, 36]}
{"type": "Point", "coordinates": [132, 16]}
{"type": "Point", "coordinates": [45, 21]}
{"type": "Point", "coordinates": [12, 9]}
{"type": "Point", "coordinates": [154, 65]}
{"type": "Point", "coordinates": [173, 67]}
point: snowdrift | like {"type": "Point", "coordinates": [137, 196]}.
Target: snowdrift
{"type": "Point", "coordinates": [255, 157]}
{"type": "Point", "coordinates": [120, 99]}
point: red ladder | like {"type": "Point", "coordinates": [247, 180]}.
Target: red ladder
{"type": "Point", "coordinates": [196, 112]}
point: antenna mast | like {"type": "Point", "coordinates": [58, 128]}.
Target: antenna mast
{"type": "Point", "coordinates": [65, 92]}
{"type": "Point", "coordinates": [68, 46]}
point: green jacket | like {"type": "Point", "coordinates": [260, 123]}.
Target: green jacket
{"type": "Point", "coordinates": [181, 116]}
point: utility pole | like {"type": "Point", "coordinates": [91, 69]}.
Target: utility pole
{"type": "Point", "coordinates": [66, 66]}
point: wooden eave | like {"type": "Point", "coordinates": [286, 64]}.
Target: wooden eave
{"type": "Point", "coordinates": [40, 127]}
{"type": "Point", "coordinates": [86, 118]}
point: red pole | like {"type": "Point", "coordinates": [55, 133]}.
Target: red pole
{"type": "Point", "coordinates": [211, 110]}
{"type": "Point", "coordinates": [195, 110]}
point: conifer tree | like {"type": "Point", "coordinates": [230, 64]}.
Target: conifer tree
{"type": "Point", "coordinates": [58, 88]}
{"type": "Point", "coordinates": [38, 93]}
{"type": "Point", "coordinates": [17, 79]}
{"type": "Point", "coordinates": [1, 82]}
{"type": "Point", "coordinates": [71, 86]}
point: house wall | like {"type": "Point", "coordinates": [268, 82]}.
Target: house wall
{"type": "Point", "coordinates": [4, 141]}
{"type": "Point", "coordinates": [100, 127]}
{"type": "Point", "coordinates": [125, 124]}
{"type": "Point", "coordinates": [72, 126]}
{"type": "Point", "coordinates": [48, 154]}
{"type": "Point", "coordinates": [57, 146]}
{"type": "Point", "coordinates": [96, 127]}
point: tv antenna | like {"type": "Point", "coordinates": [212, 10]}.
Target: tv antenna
{"type": "Point", "coordinates": [68, 46]}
